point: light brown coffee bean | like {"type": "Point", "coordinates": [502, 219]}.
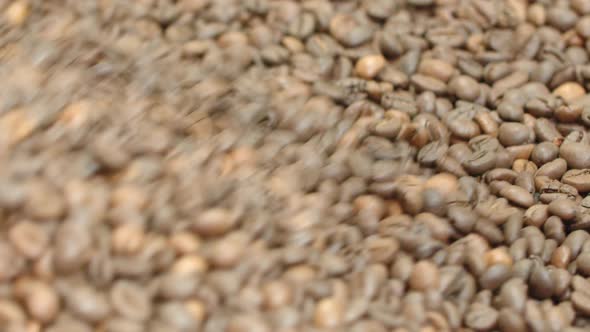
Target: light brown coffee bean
{"type": "Point", "coordinates": [436, 68]}
{"type": "Point", "coordinates": [424, 276]}
{"type": "Point", "coordinates": [88, 304]}
{"type": "Point", "coordinates": [481, 317]}
{"type": "Point", "coordinates": [518, 196]}
{"type": "Point", "coordinates": [214, 222]}
{"type": "Point", "coordinates": [464, 87]}
{"type": "Point", "coordinates": [29, 238]}
{"type": "Point", "coordinates": [369, 66]}
{"type": "Point", "coordinates": [578, 178]}
{"type": "Point", "coordinates": [569, 91]}
{"type": "Point", "coordinates": [565, 209]}
{"type": "Point", "coordinates": [130, 300]}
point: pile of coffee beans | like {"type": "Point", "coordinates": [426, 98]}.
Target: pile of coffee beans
{"type": "Point", "coordinates": [294, 165]}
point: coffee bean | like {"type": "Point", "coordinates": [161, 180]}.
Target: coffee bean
{"type": "Point", "coordinates": [481, 318]}
{"type": "Point", "coordinates": [540, 282]}
{"type": "Point", "coordinates": [578, 178]}
{"type": "Point", "coordinates": [424, 276]}
{"type": "Point", "coordinates": [581, 302]}
{"type": "Point", "coordinates": [436, 68]}
{"type": "Point", "coordinates": [42, 301]}
{"type": "Point", "coordinates": [569, 91]}
{"type": "Point", "coordinates": [87, 303]}
{"type": "Point", "coordinates": [518, 196]}
{"type": "Point", "coordinates": [214, 222]}
{"type": "Point", "coordinates": [427, 83]}
{"type": "Point", "coordinates": [565, 209]}
{"type": "Point", "coordinates": [464, 87]}
{"type": "Point", "coordinates": [369, 66]}
{"type": "Point", "coordinates": [512, 133]}
{"type": "Point", "coordinates": [574, 154]}
{"type": "Point", "coordinates": [526, 180]}
{"type": "Point", "coordinates": [329, 313]}
{"type": "Point", "coordinates": [510, 320]}
{"type": "Point", "coordinates": [130, 301]}
{"type": "Point", "coordinates": [495, 276]}
{"type": "Point", "coordinates": [543, 153]}
{"type": "Point", "coordinates": [546, 131]}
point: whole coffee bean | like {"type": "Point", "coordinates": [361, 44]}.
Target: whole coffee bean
{"type": "Point", "coordinates": [369, 66]}
{"type": "Point", "coordinates": [44, 201]}
{"type": "Point", "coordinates": [464, 87]}
{"type": "Point", "coordinates": [178, 317]}
{"type": "Point", "coordinates": [329, 313]}
{"type": "Point", "coordinates": [575, 240]}
{"type": "Point", "coordinates": [562, 280]}
{"type": "Point", "coordinates": [565, 209]}
{"type": "Point", "coordinates": [512, 228]}
{"type": "Point", "coordinates": [481, 317]}
{"type": "Point", "coordinates": [513, 133]}
{"type": "Point", "coordinates": [568, 114]}
{"type": "Point", "coordinates": [436, 68]}
{"type": "Point", "coordinates": [526, 181]}
{"type": "Point", "coordinates": [554, 229]}
{"type": "Point", "coordinates": [463, 218]}
{"type": "Point", "coordinates": [497, 186]}
{"type": "Point", "coordinates": [510, 320]}
{"type": "Point", "coordinates": [553, 169]}
{"type": "Point", "coordinates": [87, 303]}
{"type": "Point", "coordinates": [576, 154]}
{"type": "Point", "coordinates": [427, 83]}
{"type": "Point", "coordinates": [214, 222]}
{"type": "Point", "coordinates": [581, 302]}
{"type": "Point", "coordinates": [42, 301]}
{"type": "Point", "coordinates": [518, 196]}
{"type": "Point", "coordinates": [511, 81]}
{"type": "Point", "coordinates": [73, 246]}
{"type": "Point", "coordinates": [495, 276]}
{"type": "Point", "coordinates": [424, 276]}
{"type": "Point", "coordinates": [544, 153]}
{"type": "Point", "coordinates": [510, 112]}
{"type": "Point", "coordinates": [130, 300]}
{"type": "Point", "coordinates": [541, 283]}
{"type": "Point", "coordinates": [561, 257]}
{"type": "Point", "coordinates": [350, 30]}
{"type": "Point", "coordinates": [569, 91]}
{"type": "Point", "coordinates": [29, 238]}
{"type": "Point", "coordinates": [480, 162]}
{"type": "Point", "coordinates": [578, 178]}
{"type": "Point", "coordinates": [546, 131]}
{"type": "Point", "coordinates": [536, 215]}
{"type": "Point", "coordinates": [487, 123]}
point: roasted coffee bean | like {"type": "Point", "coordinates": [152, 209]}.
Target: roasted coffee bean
{"type": "Point", "coordinates": [464, 87]}
{"type": "Point", "coordinates": [481, 317]}
{"type": "Point", "coordinates": [546, 131]}
{"type": "Point", "coordinates": [480, 162]}
{"type": "Point", "coordinates": [495, 276]}
{"type": "Point", "coordinates": [441, 147]}
{"type": "Point", "coordinates": [578, 178]}
{"type": "Point", "coordinates": [575, 153]}
{"type": "Point", "coordinates": [518, 196]}
{"type": "Point", "coordinates": [513, 133]}
{"type": "Point", "coordinates": [541, 283]}
{"type": "Point", "coordinates": [554, 169]}
{"type": "Point", "coordinates": [543, 153]}
{"type": "Point", "coordinates": [565, 209]}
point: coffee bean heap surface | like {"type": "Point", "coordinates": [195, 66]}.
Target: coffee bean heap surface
{"type": "Point", "coordinates": [294, 166]}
